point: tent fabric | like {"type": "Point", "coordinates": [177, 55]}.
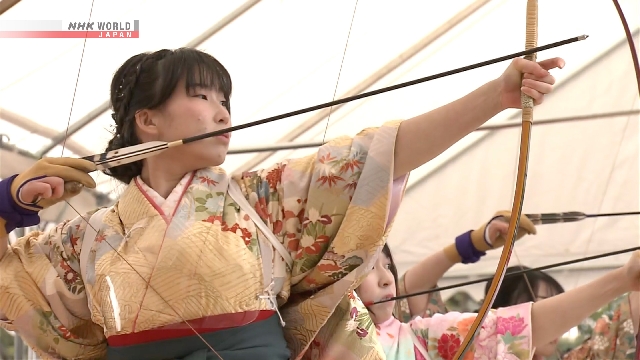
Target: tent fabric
{"type": "Point", "coordinates": [285, 55]}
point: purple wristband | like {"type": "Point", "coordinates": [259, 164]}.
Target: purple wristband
{"type": "Point", "coordinates": [467, 251]}
{"type": "Point", "coordinates": [14, 215]}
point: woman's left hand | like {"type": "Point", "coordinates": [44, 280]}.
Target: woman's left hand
{"type": "Point", "coordinates": [531, 78]}
{"type": "Point", "coordinates": [497, 230]}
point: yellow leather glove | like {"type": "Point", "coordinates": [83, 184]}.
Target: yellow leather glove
{"type": "Point", "coordinates": [525, 227]}
{"type": "Point", "coordinates": [72, 171]}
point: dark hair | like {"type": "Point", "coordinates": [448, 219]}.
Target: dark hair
{"type": "Point", "coordinates": [515, 289]}
{"type": "Point", "coordinates": [146, 81]}
{"type": "Point", "coordinates": [392, 264]}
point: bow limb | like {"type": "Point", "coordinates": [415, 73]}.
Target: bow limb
{"type": "Point", "coordinates": [634, 57]}
{"type": "Point", "coordinates": [632, 47]}
{"type": "Point", "coordinates": [636, 65]}
{"type": "Point", "coordinates": [516, 211]}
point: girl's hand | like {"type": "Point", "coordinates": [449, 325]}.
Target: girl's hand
{"type": "Point", "coordinates": [44, 182]}
{"type": "Point", "coordinates": [50, 187]}
{"type": "Point", "coordinates": [531, 78]}
{"type": "Point", "coordinates": [497, 229]}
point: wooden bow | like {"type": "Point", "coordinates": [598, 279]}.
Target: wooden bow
{"type": "Point", "coordinates": [518, 198]}
{"type": "Point", "coordinates": [520, 184]}
{"type": "Point", "coordinates": [527, 118]}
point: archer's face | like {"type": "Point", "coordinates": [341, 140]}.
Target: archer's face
{"type": "Point", "coordinates": [189, 114]}
{"type": "Point", "coordinates": [379, 285]}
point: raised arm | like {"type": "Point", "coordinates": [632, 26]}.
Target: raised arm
{"type": "Point", "coordinates": [579, 303]}
{"type": "Point", "coordinates": [426, 136]}
{"type": "Point", "coordinates": [512, 332]}
{"type": "Point", "coordinates": [468, 248]}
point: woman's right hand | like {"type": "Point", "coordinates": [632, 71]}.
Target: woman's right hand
{"type": "Point", "coordinates": [22, 196]}
{"type": "Point", "coordinates": [43, 185]}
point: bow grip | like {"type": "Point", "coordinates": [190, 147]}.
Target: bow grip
{"type": "Point", "coordinates": [530, 42]}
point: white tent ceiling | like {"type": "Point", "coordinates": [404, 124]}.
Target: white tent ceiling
{"type": "Point", "coordinates": [286, 54]}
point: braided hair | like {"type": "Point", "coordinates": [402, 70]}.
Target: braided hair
{"type": "Point", "coordinates": [147, 81]}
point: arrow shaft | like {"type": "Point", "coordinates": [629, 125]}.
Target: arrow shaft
{"type": "Point", "coordinates": [106, 161]}
{"type": "Point", "coordinates": [571, 216]}
{"type": "Point", "coordinates": [520, 272]}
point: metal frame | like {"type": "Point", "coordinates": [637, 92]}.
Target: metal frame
{"type": "Point", "coordinates": [5, 5]}
{"type": "Point", "coordinates": [484, 137]}
{"type": "Point", "coordinates": [303, 145]}
{"type": "Point", "coordinates": [38, 129]}
{"type": "Point", "coordinates": [370, 80]}
{"type": "Point", "coordinates": [104, 107]}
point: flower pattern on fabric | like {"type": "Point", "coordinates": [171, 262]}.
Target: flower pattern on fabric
{"type": "Point", "coordinates": [612, 334]}
{"type": "Point", "coordinates": [448, 345]}
{"type": "Point", "coordinates": [505, 334]}
{"type": "Point", "coordinates": [315, 206]}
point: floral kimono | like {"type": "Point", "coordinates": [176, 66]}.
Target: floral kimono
{"type": "Point", "coordinates": [612, 334]}
{"type": "Point", "coordinates": [505, 334]}
{"type": "Point", "coordinates": [148, 264]}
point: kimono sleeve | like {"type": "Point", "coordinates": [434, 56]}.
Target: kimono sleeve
{"type": "Point", "coordinates": [505, 334]}
{"type": "Point", "coordinates": [330, 209]}
{"type": "Point", "coordinates": [610, 334]}
{"type": "Point", "coordinates": [42, 295]}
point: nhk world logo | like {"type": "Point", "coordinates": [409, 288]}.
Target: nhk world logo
{"type": "Point", "coordinates": [69, 29]}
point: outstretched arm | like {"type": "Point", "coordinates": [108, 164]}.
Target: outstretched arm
{"type": "Point", "coordinates": [422, 138]}
{"type": "Point", "coordinates": [426, 136]}
{"type": "Point", "coordinates": [467, 248]}
{"type": "Point", "coordinates": [634, 302]}
{"type": "Point", "coordinates": [579, 303]}
{"type": "Point", "coordinates": [516, 330]}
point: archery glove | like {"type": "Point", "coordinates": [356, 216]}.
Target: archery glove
{"type": "Point", "coordinates": [74, 172]}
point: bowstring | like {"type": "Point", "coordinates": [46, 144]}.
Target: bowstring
{"type": "Point", "coordinates": [75, 88]}
{"type": "Point", "coordinates": [515, 273]}
{"type": "Point", "coordinates": [344, 53]}
{"type": "Point", "coordinates": [84, 45]}
{"type": "Point", "coordinates": [529, 287]}
{"type": "Point", "coordinates": [607, 186]}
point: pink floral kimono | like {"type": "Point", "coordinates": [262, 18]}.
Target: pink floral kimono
{"type": "Point", "coordinates": [505, 334]}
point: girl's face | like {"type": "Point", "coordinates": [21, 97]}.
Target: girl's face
{"type": "Point", "coordinates": [379, 285]}
{"type": "Point", "coordinates": [187, 114]}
